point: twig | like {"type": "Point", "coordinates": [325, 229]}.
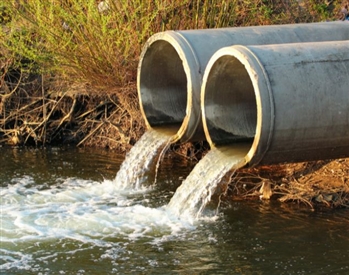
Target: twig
{"type": "Point", "coordinates": [44, 121]}
{"type": "Point", "coordinates": [67, 116]}
{"type": "Point", "coordinates": [90, 134]}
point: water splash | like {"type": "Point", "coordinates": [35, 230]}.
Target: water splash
{"type": "Point", "coordinates": [196, 190]}
{"type": "Point", "coordinates": [42, 223]}
{"type": "Point", "coordinates": [78, 209]}
{"type": "Point", "coordinates": [141, 161]}
{"type": "Point", "coordinates": [76, 217]}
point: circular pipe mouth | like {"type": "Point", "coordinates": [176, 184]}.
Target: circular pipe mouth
{"type": "Point", "coordinates": [230, 104]}
{"type": "Point", "coordinates": [234, 91]}
{"type": "Point", "coordinates": [163, 81]}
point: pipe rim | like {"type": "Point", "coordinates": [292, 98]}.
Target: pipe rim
{"type": "Point", "coordinates": [263, 98]}
{"type": "Point", "coordinates": [190, 66]}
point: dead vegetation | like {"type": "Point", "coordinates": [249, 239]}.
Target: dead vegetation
{"type": "Point", "coordinates": [314, 184]}
{"type": "Point", "coordinates": [60, 113]}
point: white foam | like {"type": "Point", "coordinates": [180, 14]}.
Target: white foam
{"type": "Point", "coordinates": [81, 210]}
{"type": "Point", "coordinates": [17, 260]}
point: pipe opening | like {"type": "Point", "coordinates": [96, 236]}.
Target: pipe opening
{"type": "Point", "coordinates": [230, 103]}
{"type": "Point", "coordinates": [163, 86]}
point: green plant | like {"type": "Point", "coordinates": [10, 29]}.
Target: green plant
{"type": "Point", "coordinates": [79, 41]}
{"type": "Point", "coordinates": [74, 40]}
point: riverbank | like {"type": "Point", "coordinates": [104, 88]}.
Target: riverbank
{"type": "Point", "coordinates": [74, 84]}
{"type": "Point", "coordinates": [37, 111]}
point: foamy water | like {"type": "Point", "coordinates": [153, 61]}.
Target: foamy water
{"type": "Point", "coordinates": [78, 207]}
{"type": "Point", "coordinates": [75, 215]}
{"type": "Point", "coordinates": [56, 223]}
{"type": "Point", "coordinates": [84, 213]}
{"type": "Point", "coordinates": [196, 190]}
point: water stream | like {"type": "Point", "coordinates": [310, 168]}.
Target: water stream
{"type": "Point", "coordinates": [196, 190]}
{"type": "Point", "coordinates": [141, 161]}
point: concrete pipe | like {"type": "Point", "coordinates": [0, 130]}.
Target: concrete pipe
{"type": "Point", "coordinates": [172, 64]}
{"type": "Point", "coordinates": [288, 102]}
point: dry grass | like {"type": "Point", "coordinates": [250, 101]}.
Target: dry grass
{"type": "Point", "coordinates": [57, 113]}
{"type": "Point", "coordinates": [315, 184]}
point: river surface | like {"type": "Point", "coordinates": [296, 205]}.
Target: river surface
{"type": "Point", "coordinates": [62, 212]}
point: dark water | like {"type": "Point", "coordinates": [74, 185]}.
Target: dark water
{"type": "Point", "coordinates": [62, 212]}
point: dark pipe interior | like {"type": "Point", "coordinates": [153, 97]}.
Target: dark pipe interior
{"type": "Point", "coordinates": [230, 102]}
{"type": "Point", "coordinates": [163, 85]}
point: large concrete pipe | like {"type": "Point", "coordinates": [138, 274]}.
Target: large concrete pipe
{"type": "Point", "coordinates": [172, 64]}
{"type": "Point", "coordinates": [289, 102]}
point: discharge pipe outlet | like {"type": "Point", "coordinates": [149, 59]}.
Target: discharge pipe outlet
{"type": "Point", "coordinates": [288, 102]}
{"type": "Point", "coordinates": [172, 64]}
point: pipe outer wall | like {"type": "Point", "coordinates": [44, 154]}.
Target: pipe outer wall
{"type": "Point", "coordinates": [290, 102]}
{"type": "Point", "coordinates": [172, 64]}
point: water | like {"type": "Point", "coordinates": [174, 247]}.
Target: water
{"type": "Point", "coordinates": [63, 213]}
{"type": "Point", "coordinates": [141, 161]}
{"type": "Point", "coordinates": [196, 191]}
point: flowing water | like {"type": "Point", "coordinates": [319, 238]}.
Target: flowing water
{"type": "Point", "coordinates": [140, 163]}
{"type": "Point", "coordinates": [63, 212]}
{"type": "Point", "coordinates": [196, 191]}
